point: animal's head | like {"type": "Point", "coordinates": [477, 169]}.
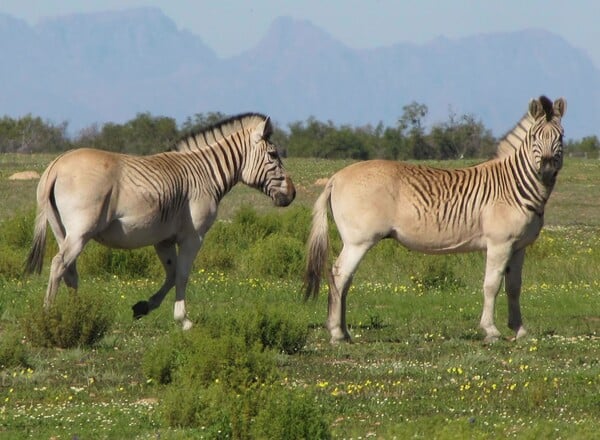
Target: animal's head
{"type": "Point", "coordinates": [546, 137]}
{"type": "Point", "coordinates": [264, 169]}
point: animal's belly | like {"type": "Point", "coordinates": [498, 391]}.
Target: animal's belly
{"type": "Point", "coordinates": [432, 242]}
{"type": "Point", "coordinates": [127, 236]}
{"type": "Point", "coordinates": [448, 247]}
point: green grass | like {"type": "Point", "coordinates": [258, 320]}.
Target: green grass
{"type": "Point", "coordinates": [418, 367]}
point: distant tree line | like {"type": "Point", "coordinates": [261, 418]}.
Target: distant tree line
{"type": "Point", "coordinates": [461, 136]}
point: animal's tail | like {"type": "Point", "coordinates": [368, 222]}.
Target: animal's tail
{"type": "Point", "coordinates": [318, 244]}
{"type": "Point", "coordinates": [45, 190]}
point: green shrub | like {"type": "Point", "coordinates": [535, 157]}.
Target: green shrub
{"type": "Point", "coordinates": [290, 415]}
{"type": "Point", "coordinates": [275, 256]}
{"type": "Point", "coordinates": [164, 357]}
{"type": "Point", "coordinates": [221, 247]}
{"type": "Point", "coordinates": [17, 231]}
{"type": "Point", "coordinates": [100, 260]}
{"type": "Point", "coordinates": [15, 239]}
{"type": "Point", "coordinates": [12, 350]}
{"type": "Point", "coordinates": [75, 319]}
{"type": "Point", "coordinates": [439, 273]}
{"type": "Point", "coordinates": [11, 262]}
{"type": "Point", "coordinates": [257, 226]}
{"type": "Point", "coordinates": [218, 371]}
{"type": "Point", "coordinates": [214, 387]}
{"type": "Point", "coordinates": [281, 334]}
{"type": "Point", "coordinates": [190, 405]}
{"type": "Point", "coordinates": [267, 326]}
{"type": "Point", "coordinates": [229, 359]}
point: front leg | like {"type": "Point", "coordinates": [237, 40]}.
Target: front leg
{"type": "Point", "coordinates": [188, 250]}
{"type": "Point", "coordinates": [496, 260]}
{"type": "Point", "coordinates": [512, 285]}
{"type": "Point", "coordinates": [167, 254]}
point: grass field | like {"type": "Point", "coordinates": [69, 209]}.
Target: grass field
{"type": "Point", "coordinates": [418, 367]}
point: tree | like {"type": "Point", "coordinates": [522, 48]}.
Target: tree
{"type": "Point", "coordinates": [201, 121]}
{"type": "Point", "coordinates": [411, 122]}
{"type": "Point", "coordinates": [145, 134]}
{"type": "Point", "coordinates": [462, 137]}
{"type": "Point", "coordinates": [589, 147]}
{"type": "Point", "coordinates": [30, 134]}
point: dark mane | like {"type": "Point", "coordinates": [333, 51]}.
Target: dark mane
{"type": "Point", "coordinates": [548, 107]}
{"type": "Point", "coordinates": [204, 137]}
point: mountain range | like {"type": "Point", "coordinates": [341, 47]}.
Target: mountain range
{"type": "Point", "coordinates": [107, 67]}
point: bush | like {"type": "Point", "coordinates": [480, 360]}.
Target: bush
{"type": "Point", "coordinates": [232, 246]}
{"type": "Point", "coordinates": [276, 256]}
{"type": "Point", "coordinates": [269, 327]}
{"type": "Point", "coordinates": [219, 372]}
{"type": "Point", "coordinates": [228, 359]}
{"type": "Point", "coordinates": [165, 356]}
{"type": "Point", "coordinates": [281, 334]}
{"type": "Point", "coordinates": [290, 415]}
{"type": "Point", "coordinates": [191, 405]}
{"type": "Point", "coordinates": [101, 261]}
{"type": "Point", "coordinates": [439, 273]}
{"type": "Point", "coordinates": [11, 263]}
{"type": "Point", "coordinates": [17, 231]}
{"type": "Point", "coordinates": [215, 385]}
{"type": "Point", "coordinates": [16, 234]}
{"type": "Point", "coordinates": [75, 319]}
{"type": "Point", "coordinates": [12, 350]}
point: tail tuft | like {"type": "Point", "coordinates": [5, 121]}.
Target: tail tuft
{"type": "Point", "coordinates": [318, 245]}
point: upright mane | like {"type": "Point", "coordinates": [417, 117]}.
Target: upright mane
{"type": "Point", "coordinates": [205, 137]}
{"type": "Point", "coordinates": [512, 140]}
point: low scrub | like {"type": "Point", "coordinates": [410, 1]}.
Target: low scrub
{"type": "Point", "coordinates": [267, 330]}
{"type": "Point", "coordinates": [289, 414]}
{"type": "Point", "coordinates": [253, 245]}
{"type": "Point", "coordinates": [223, 379]}
{"type": "Point", "coordinates": [74, 320]}
{"type": "Point", "coordinates": [13, 352]}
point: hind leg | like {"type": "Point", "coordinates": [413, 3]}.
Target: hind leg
{"type": "Point", "coordinates": [339, 284]}
{"type": "Point", "coordinates": [167, 254]}
{"type": "Point", "coordinates": [71, 277]}
{"type": "Point", "coordinates": [62, 262]}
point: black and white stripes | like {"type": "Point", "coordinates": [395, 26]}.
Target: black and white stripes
{"type": "Point", "coordinates": [209, 163]}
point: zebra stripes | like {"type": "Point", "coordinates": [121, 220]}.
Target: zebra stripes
{"type": "Point", "coordinates": [208, 163]}
{"type": "Point", "coordinates": [168, 200]}
{"type": "Point", "coordinates": [496, 206]}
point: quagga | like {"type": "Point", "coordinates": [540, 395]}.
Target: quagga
{"type": "Point", "coordinates": [496, 206]}
{"type": "Point", "coordinates": [168, 200]}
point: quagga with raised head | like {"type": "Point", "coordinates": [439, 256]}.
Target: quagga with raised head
{"type": "Point", "coordinates": [496, 206]}
{"type": "Point", "coordinates": [168, 200]}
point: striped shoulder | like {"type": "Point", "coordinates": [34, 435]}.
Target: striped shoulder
{"type": "Point", "coordinates": [214, 133]}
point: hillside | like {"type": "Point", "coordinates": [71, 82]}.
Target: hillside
{"type": "Point", "coordinates": [102, 67]}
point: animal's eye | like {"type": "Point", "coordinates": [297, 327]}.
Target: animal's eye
{"type": "Point", "coordinates": [273, 154]}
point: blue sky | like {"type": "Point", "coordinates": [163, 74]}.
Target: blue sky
{"type": "Point", "coordinates": [231, 26]}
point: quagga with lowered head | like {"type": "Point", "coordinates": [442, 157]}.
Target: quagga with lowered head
{"type": "Point", "coordinates": [496, 206]}
{"type": "Point", "coordinates": [168, 200]}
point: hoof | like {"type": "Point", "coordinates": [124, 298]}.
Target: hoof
{"type": "Point", "coordinates": [140, 309]}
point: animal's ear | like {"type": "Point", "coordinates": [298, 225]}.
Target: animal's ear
{"type": "Point", "coordinates": [262, 130]}
{"type": "Point", "coordinates": [536, 109]}
{"type": "Point", "coordinates": [560, 107]}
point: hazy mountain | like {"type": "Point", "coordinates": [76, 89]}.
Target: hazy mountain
{"type": "Point", "coordinates": [102, 67]}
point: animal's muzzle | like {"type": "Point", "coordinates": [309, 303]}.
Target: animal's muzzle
{"type": "Point", "coordinates": [285, 194]}
{"type": "Point", "coordinates": [548, 171]}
